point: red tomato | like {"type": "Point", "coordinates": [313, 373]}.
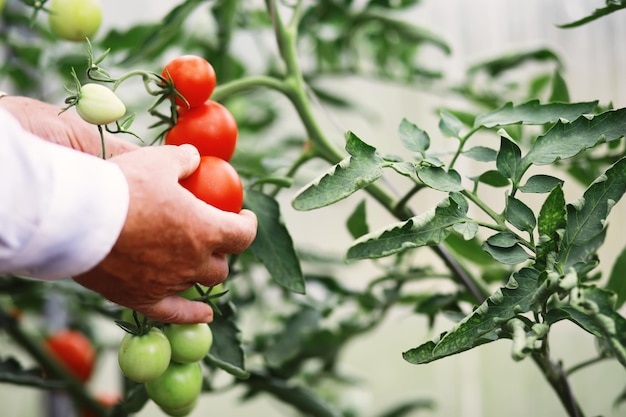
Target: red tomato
{"type": "Point", "coordinates": [193, 77]}
{"type": "Point", "coordinates": [74, 350]}
{"type": "Point", "coordinates": [107, 399]}
{"type": "Point", "coordinates": [210, 127]}
{"type": "Point", "coordinates": [217, 183]}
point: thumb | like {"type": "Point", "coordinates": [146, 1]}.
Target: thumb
{"type": "Point", "coordinates": [175, 309]}
{"type": "Point", "coordinates": [187, 159]}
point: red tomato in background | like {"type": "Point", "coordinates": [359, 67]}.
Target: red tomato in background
{"type": "Point", "coordinates": [210, 127]}
{"type": "Point", "coordinates": [106, 399]}
{"type": "Point", "coordinates": [217, 183]}
{"type": "Point", "coordinates": [74, 350]}
{"type": "Point", "coordinates": [193, 77]}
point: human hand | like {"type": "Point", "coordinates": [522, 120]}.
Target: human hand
{"type": "Point", "coordinates": [170, 240]}
{"type": "Point", "coordinates": [67, 128]}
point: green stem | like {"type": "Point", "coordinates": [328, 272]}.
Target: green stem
{"type": "Point", "coordinates": [75, 388]}
{"type": "Point", "coordinates": [462, 140]}
{"type": "Point", "coordinates": [248, 83]}
{"type": "Point", "coordinates": [484, 207]}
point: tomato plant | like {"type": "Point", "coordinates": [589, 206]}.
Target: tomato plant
{"type": "Point", "coordinates": [178, 387]}
{"type": "Point", "coordinates": [74, 20]}
{"type": "Point", "coordinates": [217, 183]}
{"type": "Point", "coordinates": [189, 342]}
{"type": "Point", "coordinates": [144, 357]}
{"type": "Point", "coordinates": [193, 77]}
{"type": "Point", "coordinates": [74, 350]}
{"type": "Point", "coordinates": [99, 105]}
{"type": "Point", "coordinates": [210, 127]}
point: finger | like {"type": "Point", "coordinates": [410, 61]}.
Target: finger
{"type": "Point", "coordinates": [174, 309]}
{"type": "Point", "coordinates": [238, 231]}
{"type": "Point", "coordinates": [186, 158]}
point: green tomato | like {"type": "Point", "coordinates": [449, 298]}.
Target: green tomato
{"type": "Point", "coordinates": [178, 387]}
{"type": "Point", "coordinates": [74, 20]}
{"type": "Point", "coordinates": [99, 105]}
{"type": "Point", "coordinates": [192, 292]}
{"type": "Point", "coordinates": [189, 342]}
{"type": "Point", "coordinates": [180, 412]}
{"type": "Point", "coordinates": [144, 358]}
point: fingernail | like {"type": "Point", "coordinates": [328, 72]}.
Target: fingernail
{"type": "Point", "coordinates": [190, 148]}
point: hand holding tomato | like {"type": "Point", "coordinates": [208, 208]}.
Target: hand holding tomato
{"type": "Point", "coordinates": [170, 240]}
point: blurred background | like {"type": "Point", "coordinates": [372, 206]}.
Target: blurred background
{"type": "Point", "coordinates": [484, 382]}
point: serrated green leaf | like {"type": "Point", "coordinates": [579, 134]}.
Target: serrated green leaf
{"type": "Point", "coordinates": [360, 169]}
{"type": "Point", "coordinates": [586, 218]}
{"type": "Point", "coordinates": [450, 125]}
{"type": "Point", "coordinates": [357, 222]}
{"type": "Point", "coordinates": [226, 351]}
{"type": "Point", "coordinates": [509, 256]}
{"type": "Point", "coordinates": [406, 169]}
{"type": "Point", "coordinates": [617, 279]}
{"type": "Point", "coordinates": [508, 160]}
{"type": "Point", "coordinates": [413, 138]}
{"type": "Point", "coordinates": [484, 323]}
{"type": "Point", "coordinates": [481, 154]}
{"type": "Point", "coordinates": [540, 184]}
{"type": "Point", "coordinates": [430, 228]}
{"type": "Point", "coordinates": [534, 113]}
{"type": "Point", "coordinates": [273, 244]}
{"type": "Point", "coordinates": [520, 215]}
{"type": "Point", "coordinates": [440, 179]}
{"type": "Point", "coordinates": [566, 140]}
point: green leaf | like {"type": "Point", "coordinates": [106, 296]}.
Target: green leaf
{"type": "Point", "coordinates": [586, 218]}
{"type": "Point", "coordinates": [559, 92]}
{"type": "Point", "coordinates": [503, 240]}
{"type": "Point", "coordinates": [481, 154]}
{"type": "Point", "coordinates": [509, 256]}
{"type": "Point", "coordinates": [467, 229]}
{"type": "Point", "coordinates": [508, 160]}
{"type": "Point", "coordinates": [496, 67]}
{"type": "Point", "coordinates": [430, 228]}
{"type": "Point", "coordinates": [484, 323]}
{"type": "Point", "coordinates": [520, 215]}
{"type": "Point", "coordinates": [493, 178]}
{"type": "Point", "coordinates": [566, 140]}
{"type": "Point", "coordinates": [540, 184]}
{"type": "Point", "coordinates": [617, 279]}
{"type": "Point", "coordinates": [226, 351]}
{"type": "Point", "coordinates": [273, 244]}
{"type": "Point", "coordinates": [469, 250]}
{"type": "Point", "coordinates": [612, 6]}
{"type": "Point", "coordinates": [440, 179]}
{"type": "Point", "coordinates": [413, 138]}
{"type": "Point", "coordinates": [357, 222]}
{"type": "Point", "coordinates": [552, 218]}
{"type": "Point", "coordinates": [450, 125]}
{"type": "Point", "coordinates": [534, 113]}
{"type": "Point", "coordinates": [360, 169]}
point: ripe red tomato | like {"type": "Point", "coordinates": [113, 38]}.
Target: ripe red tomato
{"type": "Point", "coordinates": [193, 77]}
{"type": "Point", "coordinates": [210, 127]}
{"type": "Point", "coordinates": [74, 350]}
{"type": "Point", "coordinates": [107, 399]}
{"type": "Point", "coordinates": [217, 183]}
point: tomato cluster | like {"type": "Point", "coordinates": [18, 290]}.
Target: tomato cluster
{"type": "Point", "coordinates": [167, 360]}
{"type": "Point", "coordinates": [207, 125]}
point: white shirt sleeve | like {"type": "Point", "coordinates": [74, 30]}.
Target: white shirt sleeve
{"type": "Point", "coordinates": [61, 211]}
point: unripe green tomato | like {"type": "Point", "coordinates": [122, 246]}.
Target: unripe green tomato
{"type": "Point", "coordinates": [145, 357]}
{"type": "Point", "coordinates": [178, 387]}
{"type": "Point", "coordinates": [189, 342]}
{"type": "Point", "coordinates": [1, 5]}
{"type": "Point", "coordinates": [74, 20]}
{"type": "Point", "coordinates": [180, 412]}
{"type": "Point", "coordinates": [192, 293]}
{"type": "Point", "coordinates": [99, 105]}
